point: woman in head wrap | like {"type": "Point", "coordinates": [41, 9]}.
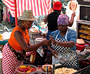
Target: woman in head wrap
{"type": "Point", "coordinates": [51, 19]}
{"type": "Point", "coordinates": [63, 39]}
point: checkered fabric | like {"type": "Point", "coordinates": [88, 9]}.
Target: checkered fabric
{"type": "Point", "coordinates": [64, 51]}
{"type": "Point", "coordinates": [9, 61]}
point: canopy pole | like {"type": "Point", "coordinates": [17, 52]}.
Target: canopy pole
{"type": "Point", "coordinates": [52, 4]}
{"type": "Point", "coordinates": [15, 12]}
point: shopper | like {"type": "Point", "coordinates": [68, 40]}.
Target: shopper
{"type": "Point", "coordinates": [18, 44]}
{"type": "Point", "coordinates": [12, 20]}
{"type": "Point", "coordinates": [63, 40]}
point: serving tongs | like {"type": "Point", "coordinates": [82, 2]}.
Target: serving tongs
{"type": "Point", "coordinates": [46, 69]}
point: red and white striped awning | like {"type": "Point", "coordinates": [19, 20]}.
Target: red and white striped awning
{"type": "Point", "coordinates": [39, 7]}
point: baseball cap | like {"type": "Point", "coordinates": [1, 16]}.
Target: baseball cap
{"type": "Point", "coordinates": [57, 5]}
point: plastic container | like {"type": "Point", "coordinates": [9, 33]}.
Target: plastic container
{"type": "Point", "coordinates": [32, 56]}
{"type": "Point", "coordinates": [80, 47]}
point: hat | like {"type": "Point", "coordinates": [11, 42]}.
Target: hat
{"type": "Point", "coordinates": [63, 20]}
{"type": "Point", "coordinates": [27, 15]}
{"type": "Point", "coordinates": [57, 5]}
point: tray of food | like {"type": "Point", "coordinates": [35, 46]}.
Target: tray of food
{"type": "Point", "coordinates": [63, 69]}
{"type": "Point", "coordinates": [26, 69]}
{"type": "Point", "coordinates": [84, 31]}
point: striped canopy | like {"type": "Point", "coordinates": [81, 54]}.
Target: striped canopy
{"type": "Point", "coordinates": [39, 7]}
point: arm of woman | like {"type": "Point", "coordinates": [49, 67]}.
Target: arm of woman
{"type": "Point", "coordinates": [54, 53]}
{"type": "Point", "coordinates": [71, 41]}
{"type": "Point", "coordinates": [27, 47]}
{"type": "Point", "coordinates": [72, 19]}
{"type": "Point", "coordinates": [45, 20]}
{"type": "Point", "coordinates": [66, 44]}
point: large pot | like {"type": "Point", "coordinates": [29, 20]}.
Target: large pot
{"type": "Point", "coordinates": [64, 66]}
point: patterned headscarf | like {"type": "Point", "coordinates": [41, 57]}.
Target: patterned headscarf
{"type": "Point", "coordinates": [63, 20]}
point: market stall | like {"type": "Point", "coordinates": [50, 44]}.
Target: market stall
{"type": "Point", "coordinates": [36, 35]}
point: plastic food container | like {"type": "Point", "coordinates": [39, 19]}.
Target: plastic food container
{"type": "Point", "coordinates": [80, 46]}
{"type": "Point", "coordinates": [26, 69]}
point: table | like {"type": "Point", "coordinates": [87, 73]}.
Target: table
{"type": "Point", "coordinates": [2, 43]}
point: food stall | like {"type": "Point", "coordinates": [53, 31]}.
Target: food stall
{"type": "Point", "coordinates": [35, 33]}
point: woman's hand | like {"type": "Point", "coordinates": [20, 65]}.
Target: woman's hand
{"type": "Point", "coordinates": [73, 14]}
{"type": "Point", "coordinates": [52, 40]}
{"type": "Point", "coordinates": [54, 53]}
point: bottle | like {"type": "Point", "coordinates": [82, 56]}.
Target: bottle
{"type": "Point", "coordinates": [32, 56]}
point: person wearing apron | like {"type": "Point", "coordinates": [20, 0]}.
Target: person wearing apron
{"type": "Point", "coordinates": [63, 42]}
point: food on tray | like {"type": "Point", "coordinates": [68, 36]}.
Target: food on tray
{"type": "Point", "coordinates": [82, 26]}
{"type": "Point", "coordinates": [45, 67]}
{"type": "Point", "coordinates": [85, 36]}
{"type": "Point", "coordinates": [25, 69]}
{"type": "Point", "coordinates": [39, 68]}
{"type": "Point", "coordinates": [88, 37]}
{"type": "Point", "coordinates": [85, 26]}
{"type": "Point", "coordinates": [65, 71]}
{"type": "Point", "coordinates": [80, 41]}
{"type": "Point", "coordinates": [0, 36]}
{"type": "Point", "coordinates": [85, 31]}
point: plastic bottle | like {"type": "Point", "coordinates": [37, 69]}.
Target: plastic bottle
{"type": "Point", "coordinates": [32, 56]}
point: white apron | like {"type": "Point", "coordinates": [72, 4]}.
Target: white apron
{"type": "Point", "coordinates": [64, 51]}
